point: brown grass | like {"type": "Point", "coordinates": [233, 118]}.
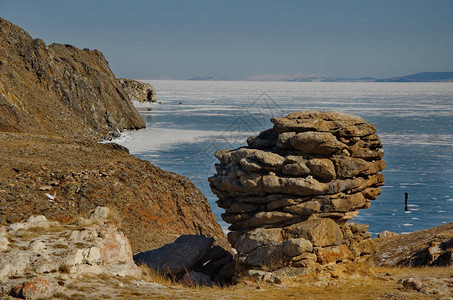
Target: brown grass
{"type": "Point", "coordinates": [64, 269]}
{"type": "Point", "coordinates": [115, 216]}
{"type": "Point", "coordinates": [355, 281]}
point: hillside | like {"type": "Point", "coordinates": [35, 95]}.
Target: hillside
{"type": "Point", "coordinates": [59, 89]}
{"type": "Point", "coordinates": [55, 101]}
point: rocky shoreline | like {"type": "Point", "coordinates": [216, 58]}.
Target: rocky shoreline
{"type": "Point", "coordinates": [74, 211]}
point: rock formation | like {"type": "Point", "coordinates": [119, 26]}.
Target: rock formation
{"type": "Point", "coordinates": [59, 89]}
{"type": "Point", "coordinates": [289, 194]}
{"type": "Point", "coordinates": [36, 254]}
{"type": "Point", "coordinates": [138, 91]}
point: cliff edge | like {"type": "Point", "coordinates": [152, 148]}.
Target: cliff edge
{"type": "Point", "coordinates": [59, 89]}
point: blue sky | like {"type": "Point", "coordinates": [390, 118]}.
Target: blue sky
{"type": "Point", "coordinates": [240, 39]}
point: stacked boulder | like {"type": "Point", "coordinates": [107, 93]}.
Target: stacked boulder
{"type": "Point", "coordinates": [289, 194]}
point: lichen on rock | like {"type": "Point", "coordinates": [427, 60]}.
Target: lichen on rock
{"type": "Point", "coordinates": [289, 194]}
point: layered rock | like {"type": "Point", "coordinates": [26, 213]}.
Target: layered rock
{"type": "Point", "coordinates": [59, 89]}
{"type": "Point", "coordinates": [138, 91]}
{"type": "Point", "coordinates": [40, 253]}
{"type": "Point", "coordinates": [289, 194]}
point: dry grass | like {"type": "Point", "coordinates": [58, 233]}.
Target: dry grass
{"type": "Point", "coordinates": [432, 272]}
{"type": "Point", "coordinates": [153, 276]}
{"type": "Point", "coordinates": [115, 216]}
{"type": "Point", "coordinates": [60, 246]}
{"type": "Point", "coordinates": [355, 281]}
{"type": "Point", "coordinates": [64, 269]}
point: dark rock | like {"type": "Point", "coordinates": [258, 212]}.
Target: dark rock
{"type": "Point", "coordinates": [213, 267]}
{"type": "Point", "coordinates": [226, 273]}
{"type": "Point", "coordinates": [193, 278]}
{"type": "Point", "coordinates": [177, 257]}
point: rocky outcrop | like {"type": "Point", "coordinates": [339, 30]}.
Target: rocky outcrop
{"type": "Point", "coordinates": [289, 194]}
{"type": "Point", "coordinates": [191, 259]}
{"type": "Point", "coordinates": [429, 247]}
{"type": "Point", "coordinates": [40, 253]}
{"type": "Point", "coordinates": [59, 89]}
{"type": "Point", "coordinates": [138, 91]}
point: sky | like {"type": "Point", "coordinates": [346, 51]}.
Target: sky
{"type": "Point", "coordinates": [240, 39]}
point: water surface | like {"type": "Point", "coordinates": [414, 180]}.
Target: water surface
{"type": "Point", "coordinates": [414, 122]}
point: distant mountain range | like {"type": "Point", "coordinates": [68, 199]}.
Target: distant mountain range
{"type": "Point", "coordinates": [210, 78]}
{"type": "Point", "coordinates": [419, 77]}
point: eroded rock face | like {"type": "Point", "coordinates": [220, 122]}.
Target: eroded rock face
{"type": "Point", "coordinates": [138, 91]}
{"type": "Point", "coordinates": [289, 194]}
{"type": "Point", "coordinates": [59, 89]}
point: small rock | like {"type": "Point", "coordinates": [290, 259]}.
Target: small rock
{"type": "Point", "coordinates": [84, 222]}
{"type": "Point", "coordinates": [37, 246]}
{"type": "Point", "coordinates": [38, 287]}
{"type": "Point", "coordinates": [18, 226]}
{"type": "Point", "coordinates": [4, 242]}
{"type": "Point", "coordinates": [386, 233]}
{"type": "Point", "coordinates": [100, 213]}
{"type": "Point", "coordinates": [45, 188]}
{"type": "Point", "coordinates": [412, 283]}
{"type": "Point", "coordinates": [38, 222]}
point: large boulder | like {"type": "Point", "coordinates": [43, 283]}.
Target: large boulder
{"type": "Point", "coordinates": [321, 232]}
{"type": "Point", "coordinates": [177, 257]}
{"type": "Point", "coordinates": [191, 260]}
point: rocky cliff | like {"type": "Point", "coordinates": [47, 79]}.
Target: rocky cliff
{"type": "Point", "coordinates": [54, 100]}
{"type": "Point", "coordinates": [138, 91]}
{"type": "Point", "coordinates": [59, 89]}
{"type": "Point", "coordinates": [289, 194]}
